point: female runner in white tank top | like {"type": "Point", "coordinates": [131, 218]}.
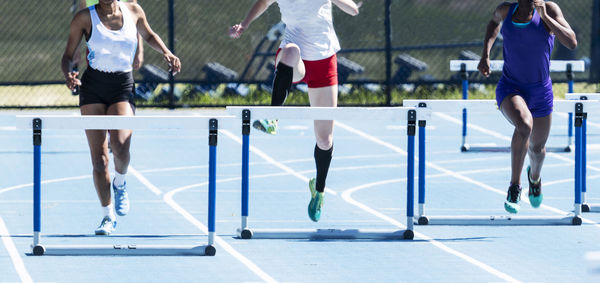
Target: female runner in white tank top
{"type": "Point", "coordinates": [307, 53]}
{"type": "Point", "coordinates": [110, 29]}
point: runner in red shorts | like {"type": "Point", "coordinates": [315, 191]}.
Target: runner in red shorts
{"type": "Point", "coordinates": [307, 53]}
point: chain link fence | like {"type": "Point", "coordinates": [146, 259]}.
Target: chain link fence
{"type": "Point", "coordinates": [425, 35]}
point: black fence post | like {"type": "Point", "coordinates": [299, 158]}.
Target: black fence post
{"type": "Point", "coordinates": [388, 53]}
{"type": "Point", "coordinates": [172, 48]}
{"type": "Point", "coordinates": [595, 46]}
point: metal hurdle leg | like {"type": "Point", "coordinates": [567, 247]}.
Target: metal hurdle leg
{"type": "Point", "coordinates": [570, 77]}
{"type": "Point", "coordinates": [212, 187]}
{"type": "Point", "coordinates": [465, 95]}
{"type": "Point", "coordinates": [410, 171]}
{"type": "Point", "coordinates": [585, 207]}
{"type": "Point", "coordinates": [422, 220]}
{"type": "Point", "coordinates": [244, 232]}
{"type": "Point", "coordinates": [578, 161]}
{"type": "Point", "coordinates": [38, 248]}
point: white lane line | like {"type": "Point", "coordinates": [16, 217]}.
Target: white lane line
{"type": "Point", "coordinates": [391, 220]}
{"type": "Point", "coordinates": [145, 181]}
{"type": "Point", "coordinates": [45, 182]}
{"type": "Point", "coordinates": [14, 254]}
{"type": "Point", "coordinates": [503, 137]}
{"type": "Point", "coordinates": [272, 161]}
{"type": "Point", "coordinates": [443, 247]}
{"type": "Point", "coordinates": [168, 198]}
{"type": "Point", "coordinates": [347, 196]}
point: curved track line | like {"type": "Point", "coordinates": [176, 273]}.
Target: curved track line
{"type": "Point", "coordinates": [347, 196]}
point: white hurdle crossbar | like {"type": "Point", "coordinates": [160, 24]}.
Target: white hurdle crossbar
{"type": "Point", "coordinates": [585, 207]}
{"type": "Point", "coordinates": [580, 108]}
{"type": "Point", "coordinates": [38, 123]}
{"type": "Point", "coordinates": [408, 115]}
{"type": "Point", "coordinates": [465, 66]}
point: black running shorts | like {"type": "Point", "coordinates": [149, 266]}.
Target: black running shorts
{"type": "Point", "coordinates": [106, 88]}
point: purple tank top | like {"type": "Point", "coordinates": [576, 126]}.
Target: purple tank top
{"type": "Point", "coordinates": [527, 49]}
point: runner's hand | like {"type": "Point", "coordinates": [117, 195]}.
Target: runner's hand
{"type": "Point", "coordinates": [540, 7]}
{"type": "Point", "coordinates": [174, 63]}
{"type": "Point", "coordinates": [138, 61]}
{"type": "Point", "coordinates": [236, 31]}
{"type": "Point", "coordinates": [72, 81]}
{"type": "Point", "coordinates": [484, 67]}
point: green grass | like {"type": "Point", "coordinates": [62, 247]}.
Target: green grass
{"type": "Point", "coordinates": [59, 95]}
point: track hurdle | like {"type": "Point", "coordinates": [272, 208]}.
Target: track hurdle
{"type": "Point", "coordinates": [62, 122]}
{"type": "Point", "coordinates": [465, 66]}
{"type": "Point", "coordinates": [585, 207]}
{"type": "Point", "coordinates": [576, 107]}
{"type": "Point", "coordinates": [407, 115]}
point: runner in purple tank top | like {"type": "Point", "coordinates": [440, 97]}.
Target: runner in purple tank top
{"type": "Point", "coordinates": [524, 93]}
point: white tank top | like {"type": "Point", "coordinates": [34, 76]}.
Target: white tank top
{"type": "Point", "coordinates": [309, 24]}
{"type": "Point", "coordinates": [112, 50]}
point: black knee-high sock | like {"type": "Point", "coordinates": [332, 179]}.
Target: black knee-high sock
{"type": "Point", "coordinates": [322, 160]}
{"type": "Point", "coordinates": [281, 84]}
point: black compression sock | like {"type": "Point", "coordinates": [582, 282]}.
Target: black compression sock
{"type": "Point", "coordinates": [281, 84]}
{"type": "Point", "coordinates": [322, 160]}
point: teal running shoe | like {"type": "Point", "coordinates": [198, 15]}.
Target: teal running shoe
{"type": "Point", "coordinates": [268, 126]}
{"type": "Point", "coordinates": [106, 227]}
{"type": "Point", "coordinates": [513, 198]}
{"type": "Point", "coordinates": [316, 202]}
{"type": "Point", "coordinates": [121, 199]}
{"type": "Point", "coordinates": [535, 190]}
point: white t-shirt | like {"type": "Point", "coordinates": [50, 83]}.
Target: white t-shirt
{"type": "Point", "coordinates": [112, 50]}
{"type": "Point", "coordinates": [309, 24]}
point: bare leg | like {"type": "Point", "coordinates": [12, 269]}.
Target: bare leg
{"type": "Point", "coordinates": [120, 140]}
{"type": "Point", "coordinates": [290, 55]}
{"type": "Point", "coordinates": [324, 97]}
{"type": "Point", "coordinates": [537, 144]}
{"type": "Point", "coordinates": [515, 110]}
{"type": "Point", "coordinates": [99, 154]}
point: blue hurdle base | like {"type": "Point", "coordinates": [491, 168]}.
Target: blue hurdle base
{"type": "Point", "coordinates": [498, 220]}
{"type": "Point", "coordinates": [124, 250]}
{"type": "Point", "coordinates": [475, 148]}
{"type": "Point", "coordinates": [326, 234]}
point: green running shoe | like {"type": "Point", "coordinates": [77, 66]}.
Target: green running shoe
{"type": "Point", "coordinates": [316, 202]}
{"type": "Point", "coordinates": [267, 126]}
{"type": "Point", "coordinates": [535, 190]}
{"type": "Point", "coordinates": [513, 198]}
